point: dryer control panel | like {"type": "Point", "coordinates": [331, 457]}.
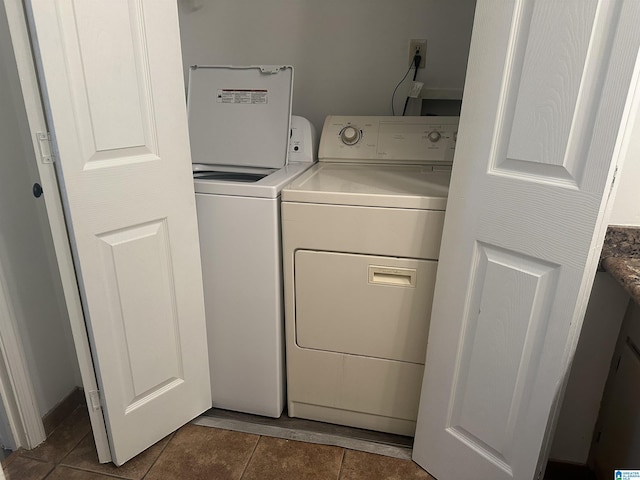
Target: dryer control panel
{"type": "Point", "coordinates": [380, 139]}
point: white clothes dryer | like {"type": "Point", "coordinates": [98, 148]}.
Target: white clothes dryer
{"type": "Point", "coordinates": [244, 151]}
{"type": "Point", "coordinates": [361, 237]}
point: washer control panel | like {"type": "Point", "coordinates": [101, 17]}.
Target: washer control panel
{"type": "Point", "coordinates": [380, 139]}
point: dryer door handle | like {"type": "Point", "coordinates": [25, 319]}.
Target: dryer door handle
{"type": "Point", "coordinates": [400, 277]}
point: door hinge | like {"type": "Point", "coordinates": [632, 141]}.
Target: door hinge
{"type": "Point", "coordinates": [44, 144]}
{"type": "Point", "coordinates": [94, 400]}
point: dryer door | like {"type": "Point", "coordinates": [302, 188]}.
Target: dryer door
{"type": "Point", "coordinates": [363, 304]}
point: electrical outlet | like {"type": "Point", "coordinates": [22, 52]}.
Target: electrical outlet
{"type": "Point", "coordinates": [420, 45]}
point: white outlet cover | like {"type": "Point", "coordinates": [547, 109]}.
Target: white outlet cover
{"type": "Point", "coordinates": [416, 88]}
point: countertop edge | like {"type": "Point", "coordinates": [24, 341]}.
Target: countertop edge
{"type": "Point", "coordinates": [620, 257]}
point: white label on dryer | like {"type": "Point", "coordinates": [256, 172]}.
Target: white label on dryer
{"type": "Point", "coordinates": [243, 95]}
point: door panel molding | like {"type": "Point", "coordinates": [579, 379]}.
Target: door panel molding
{"type": "Point", "coordinates": [505, 285]}
{"type": "Point", "coordinates": [541, 137]}
{"type": "Point", "coordinates": [125, 168]}
{"type": "Point", "coordinates": [515, 382]}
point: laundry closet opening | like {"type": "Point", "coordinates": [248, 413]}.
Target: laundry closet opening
{"type": "Point", "coordinates": [241, 251]}
{"type": "Point", "coordinates": [319, 40]}
{"type": "Point", "coordinates": [358, 232]}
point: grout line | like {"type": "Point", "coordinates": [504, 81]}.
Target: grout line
{"type": "Point", "coordinates": [15, 454]}
{"type": "Point", "coordinates": [29, 458]}
{"type": "Point", "coordinates": [48, 475]}
{"type": "Point", "coordinates": [172, 435]}
{"type": "Point", "coordinates": [78, 469]}
{"type": "Point", "coordinates": [59, 426]}
{"type": "Point", "coordinates": [3, 468]}
{"type": "Point", "coordinates": [25, 453]}
{"type": "Point", "coordinates": [344, 452]}
{"type": "Point", "coordinates": [73, 448]}
{"type": "Point", "coordinates": [250, 457]}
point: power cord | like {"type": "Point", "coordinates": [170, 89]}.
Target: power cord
{"type": "Point", "coordinates": [417, 58]}
{"type": "Point", "coordinates": [416, 63]}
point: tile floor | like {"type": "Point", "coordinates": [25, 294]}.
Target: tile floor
{"type": "Point", "coordinates": [202, 453]}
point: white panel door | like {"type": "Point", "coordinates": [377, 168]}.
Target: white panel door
{"type": "Point", "coordinates": [113, 86]}
{"type": "Point", "coordinates": [546, 93]}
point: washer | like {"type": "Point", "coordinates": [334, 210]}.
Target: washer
{"type": "Point", "coordinates": [361, 237]}
{"type": "Point", "coordinates": [244, 151]}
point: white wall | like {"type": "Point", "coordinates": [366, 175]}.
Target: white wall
{"type": "Point", "coordinates": [626, 206]}
{"type": "Point", "coordinates": [26, 249]}
{"type": "Point", "coordinates": [347, 55]}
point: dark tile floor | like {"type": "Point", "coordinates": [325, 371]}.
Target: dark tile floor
{"type": "Point", "coordinates": [199, 453]}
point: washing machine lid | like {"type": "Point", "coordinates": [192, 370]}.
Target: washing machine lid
{"type": "Point", "coordinates": [240, 116]}
{"type": "Point", "coordinates": [395, 186]}
{"type": "Point", "coordinates": [268, 186]}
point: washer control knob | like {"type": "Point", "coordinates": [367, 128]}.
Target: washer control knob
{"type": "Point", "coordinates": [350, 135]}
{"type": "Point", "coordinates": [434, 136]}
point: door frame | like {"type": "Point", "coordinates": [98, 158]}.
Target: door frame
{"type": "Point", "coordinates": [24, 426]}
{"type": "Point", "coordinates": [16, 389]}
{"type": "Point", "coordinates": [26, 63]}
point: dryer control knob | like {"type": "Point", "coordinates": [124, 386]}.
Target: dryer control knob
{"type": "Point", "coordinates": [350, 135]}
{"type": "Point", "coordinates": [434, 136]}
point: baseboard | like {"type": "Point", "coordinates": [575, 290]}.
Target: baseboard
{"type": "Point", "coordinates": [568, 471]}
{"type": "Point", "coordinates": [57, 414]}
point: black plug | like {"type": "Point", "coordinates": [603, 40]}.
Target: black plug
{"type": "Point", "coordinates": [417, 58]}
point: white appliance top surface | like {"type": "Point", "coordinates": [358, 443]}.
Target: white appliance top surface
{"type": "Point", "coordinates": [397, 162]}
{"type": "Point", "coordinates": [267, 187]}
{"type": "Point", "coordinates": [395, 186]}
{"type": "Point", "coordinates": [240, 116]}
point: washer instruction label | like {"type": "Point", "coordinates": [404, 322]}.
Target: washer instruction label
{"type": "Point", "coordinates": [243, 95]}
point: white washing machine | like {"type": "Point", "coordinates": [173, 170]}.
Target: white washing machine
{"type": "Point", "coordinates": [361, 237]}
{"type": "Point", "coordinates": [244, 151]}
